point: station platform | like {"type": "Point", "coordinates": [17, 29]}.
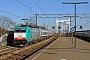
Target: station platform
{"type": "Point", "coordinates": [63, 49]}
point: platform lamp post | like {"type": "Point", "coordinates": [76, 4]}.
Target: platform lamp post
{"type": "Point", "coordinates": [74, 15]}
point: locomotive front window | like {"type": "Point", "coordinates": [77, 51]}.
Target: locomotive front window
{"type": "Point", "coordinates": [21, 30]}
{"type": "Point", "coordinates": [17, 30]}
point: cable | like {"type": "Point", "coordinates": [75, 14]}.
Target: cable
{"type": "Point", "coordinates": [45, 10]}
{"type": "Point", "coordinates": [29, 8]}
{"type": "Point", "coordinates": [25, 6]}
{"type": "Point", "coordinates": [38, 6]}
{"type": "Point", "coordinates": [43, 6]}
{"type": "Point", "coordinates": [16, 4]}
{"type": "Point", "coordinates": [10, 13]}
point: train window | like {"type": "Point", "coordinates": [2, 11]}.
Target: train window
{"type": "Point", "coordinates": [23, 30]}
{"type": "Point", "coordinates": [17, 30]}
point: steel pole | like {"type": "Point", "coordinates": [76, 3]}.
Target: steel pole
{"type": "Point", "coordinates": [70, 28]}
{"type": "Point", "coordinates": [36, 20]}
{"type": "Point", "coordinates": [75, 25]}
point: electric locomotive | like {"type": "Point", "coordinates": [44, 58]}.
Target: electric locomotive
{"type": "Point", "coordinates": [22, 35]}
{"type": "Point", "coordinates": [25, 35]}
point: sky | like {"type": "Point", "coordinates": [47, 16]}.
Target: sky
{"type": "Point", "coordinates": [27, 8]}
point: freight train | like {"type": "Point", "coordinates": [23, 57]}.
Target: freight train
{"type": "Point", "coordinates": [83, 34]}
{"type": "Point", "coordinates": [25, 35]}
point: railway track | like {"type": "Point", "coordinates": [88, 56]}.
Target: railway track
{"type": "Point", "coordinates": [7, 50]}
{"type": "Point", "coordinates": [23, 53]}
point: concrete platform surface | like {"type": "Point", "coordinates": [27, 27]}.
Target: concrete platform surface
{"type": "Point", "coordinates": [62, 49]}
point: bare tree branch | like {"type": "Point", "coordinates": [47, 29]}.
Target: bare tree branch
{"type": "Point", "coordinates": [6, 23]}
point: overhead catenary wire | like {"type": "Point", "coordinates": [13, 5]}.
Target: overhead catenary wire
{"type": "Point", "coordinates": [42, 6]}
{"type": "Point", "coordinates": [11, 14]}
{"type": "Point", "coordinates": [25, 6]}
{"type": "Point", "coordinates": [38, 6]}
{"type": "Point", "coordinates": [46, 12]}
{"type": "Point", "coordinates": [40, 9]}
{"type": "Point", "coordinates": [18, 5]}
{"type": "Point", "coordinates": [29, 8]}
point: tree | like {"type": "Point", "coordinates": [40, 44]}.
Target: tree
{"type": "Point", "coordinates": [6, 23]}
{"type": "Point", "coordinates": [32, 22]}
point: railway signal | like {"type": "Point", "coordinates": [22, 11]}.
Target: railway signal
{"type": "Point", "coordinates": [80, 27]}
{"type": "Point", "coordinates": [53, 27]}
{"type": "Point", "coordinates": [72, 29]}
